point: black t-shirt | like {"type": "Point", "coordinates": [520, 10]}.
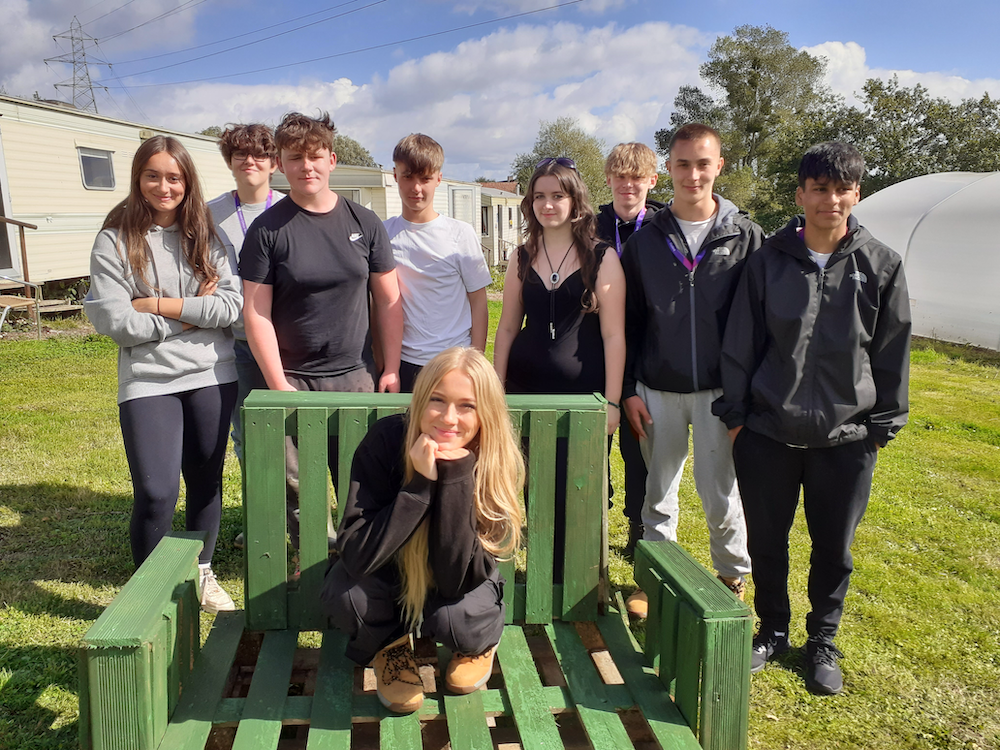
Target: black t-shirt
{"type": "Point", "coordinates": [318, 266]}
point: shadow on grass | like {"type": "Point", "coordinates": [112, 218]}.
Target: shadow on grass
{"type": "Point", "coordinates": [35, 672]}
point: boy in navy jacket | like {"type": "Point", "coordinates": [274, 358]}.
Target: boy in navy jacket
{"type": "Point", "coordinates": [815, 368]}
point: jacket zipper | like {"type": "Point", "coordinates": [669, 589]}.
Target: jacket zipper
{"type": "Point", "coordinates": [820, 289]}
{"type": "Point", "coordinates": [718, 241]}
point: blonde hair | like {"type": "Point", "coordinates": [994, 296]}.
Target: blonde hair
{"type": "Point", "coordinates": [631, 160]}
{"type": "Point", "coordinates": [499, 472]}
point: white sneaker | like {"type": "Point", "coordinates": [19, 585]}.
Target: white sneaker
{"type": "Point", "coordinates": [214, 599]}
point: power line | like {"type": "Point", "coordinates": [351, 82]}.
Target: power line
{"type": "Point", "coordinates": [360, 50]}
{"type": "Point", "coordinates": [127, 92]}
{"type": "Point", "coordinates": [237, 36]}
{"type": "Point", "coordinates": [180, 8]}
{"type": "Point", "coordinates": [258, 41]}
{"type": "Point", "coordinates": [113, 10]}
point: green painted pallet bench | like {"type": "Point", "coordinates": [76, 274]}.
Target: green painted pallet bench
{"type": "Point", "coordinates": [569, 672]}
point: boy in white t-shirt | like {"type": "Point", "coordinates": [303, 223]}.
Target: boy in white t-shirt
{"type": "Point", "coordinates": [440, 265]}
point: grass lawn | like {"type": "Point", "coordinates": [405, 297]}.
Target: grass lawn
{"type": "Point", "coordinates": [921, 629]}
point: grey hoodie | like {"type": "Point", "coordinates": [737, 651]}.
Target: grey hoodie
{"type": "Point", "coordinates": [156, 356]}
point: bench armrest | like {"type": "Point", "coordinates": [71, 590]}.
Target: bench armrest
{"type": "Point", "coordinates": [698, 635]}
{"type": "Point", "coordinates": [136, 657]}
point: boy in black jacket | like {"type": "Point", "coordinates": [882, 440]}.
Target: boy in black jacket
{"type": "Point", "coordinates": [630, 171]}
{"type": "Point", "coordinates": [681, 272]}
{"type": "Point", "coordinates": [815, 366]}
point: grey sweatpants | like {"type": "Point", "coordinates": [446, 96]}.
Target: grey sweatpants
{"type": "Point", "coordinates": [665, 450]}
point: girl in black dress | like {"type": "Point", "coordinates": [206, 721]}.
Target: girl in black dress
{"type": "Point", "coordinates": [570, 294]}
{"type": "Point", "coordinates": [570, 290]}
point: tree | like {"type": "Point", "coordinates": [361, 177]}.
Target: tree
{"type": "Point", "coordinates": [565, 137]}
{"type": "Point", "coordinates": [213, 130]}
{"type": "Point", "coordinates": [766, 82]}
{"type": "Point", "coordinates": [349, 151]}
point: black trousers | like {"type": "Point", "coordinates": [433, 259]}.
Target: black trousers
{"type": "Point", "coordinates": [166, 437]}
{"type": "Point", "coordinates": [408, 376]}
{"type": "Point", "coordinates": [368, 610]}
{"type": "Point", "coordinates": [635, 472]}
{"type": "Point", "coordinates": [836, 483]}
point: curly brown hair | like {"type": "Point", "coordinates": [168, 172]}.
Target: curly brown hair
{"type": "Point", "coordinates": [256, 139]}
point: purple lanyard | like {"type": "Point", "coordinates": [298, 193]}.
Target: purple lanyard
{"type": "Point", "coordinates": [682, 257]}
{"type": "Point", "coordinates": [239, 209]}
{"type": "Point", "coordinates": [638, 226]}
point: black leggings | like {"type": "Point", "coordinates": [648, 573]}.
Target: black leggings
{"type": "Point", "coordinates": [169, 436]}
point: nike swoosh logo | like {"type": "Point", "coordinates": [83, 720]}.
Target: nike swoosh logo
{"type": "Point", "coordinates": [355, 236]}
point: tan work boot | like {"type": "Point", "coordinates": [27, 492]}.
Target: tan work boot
{"type": "Point", "coordinates": [466, 674]}
{"type": "Point", "coordinates": [637, 605]}
{"type": "Point", "coordinates": [737, 585]}
{"type": "Point", "coordinates": [214, 599]}
{"type": "Point", "coordinates": [397, 681]}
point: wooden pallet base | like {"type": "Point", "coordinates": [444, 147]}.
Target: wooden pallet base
{"type": "Point", "coordinates": [529, 702]}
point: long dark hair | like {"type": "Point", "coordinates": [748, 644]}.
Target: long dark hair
{"type": "Point", "coordinates": [583, 221]}
{"type": "Point", "coordinates": [133, 216]}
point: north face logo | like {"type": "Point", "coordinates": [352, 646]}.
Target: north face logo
{"type": "Point", "coordinates": [859, 276]}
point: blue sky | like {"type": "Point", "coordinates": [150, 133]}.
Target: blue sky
{"type": "Point", "coordinates": [614, 65]}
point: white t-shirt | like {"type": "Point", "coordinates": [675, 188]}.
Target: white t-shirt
{"type": "Point", "coordinates": [438, 264]}
{"type": "Point", "coordinates": [230, 231]}
{"type": "Point", "coordinates": [695, 231]}
{"type": "Point", "coordinates": [820, 258]}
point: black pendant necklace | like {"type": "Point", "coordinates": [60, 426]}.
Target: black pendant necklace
{"type": "Point", "coordinates": [554, 277]}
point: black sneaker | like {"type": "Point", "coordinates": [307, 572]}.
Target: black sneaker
{"type": "Point", "coordinates": [635, 531]}
{"type": "Point", "coordinates": [822, 671]}
{"type": "Point", "coordinates": [766, 646]}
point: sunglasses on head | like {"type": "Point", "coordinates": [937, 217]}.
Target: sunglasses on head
{"type": "Point", "coordinates": [562, 161]}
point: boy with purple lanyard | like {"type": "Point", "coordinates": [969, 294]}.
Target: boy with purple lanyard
{"type": "Point", "coordinates": [630, 171]}
{"type": "Point", "coordinates": [681, 272]}
{"type": "Point", "coordinates": [250, 154]}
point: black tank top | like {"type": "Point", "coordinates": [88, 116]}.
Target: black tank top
{"type": "Point", "coordinates": [573, 362]}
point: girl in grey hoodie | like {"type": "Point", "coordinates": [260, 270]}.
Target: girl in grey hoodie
{"type": "Point", "coordinates": [161, 287]}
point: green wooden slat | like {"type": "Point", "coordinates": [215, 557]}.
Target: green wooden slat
{"type": "Point", "coordinates": [706, 594]}
{"type": "Point", "coordinates": [467, 727]}
{"type": "Point", "coordinates": [586, 501]}
{"type": "Point", "coordinates": [260, 726]}
{"type": "Point", "coordinates": [192, 721]}
{"type": "Point", "coordinates": [649, 580]}
{"type": "Point", "coordinates": [688, 681]}
{"type": "Point", "coordinates": [667, 645]}
{"type": "Point", "coordinates": [387, 411]}
{"type": "Point", "coordinates": [330, 724]}
{"type": "Point", "coordinates": [313, 511]}
{"type": "Point", "coordinates": [725, 684]}
{"type": "Point", "coordinates": [465, 714]}
{"type": "Point", "coordinates": [665, 721]}
{"type": "Point", "coordinates": [596, 712]}
{"type": "Point", "coordinates": [352, 426]}
{"type": "Point", "coordinates": [264, 556]}
{"type": "Point", "coordinates": [532, 714]}
{"type": "Point", "coordinates": [541, 516]}
{"type": "Point", "coordinates": [400, 733]}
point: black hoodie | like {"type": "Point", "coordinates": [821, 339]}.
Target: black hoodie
{"type": "Point", "coordinates": [815, 357]}
{"type": "Point", "coordinates": [675, 319]}
{"type": "Point", "coordinates": [607, 220]}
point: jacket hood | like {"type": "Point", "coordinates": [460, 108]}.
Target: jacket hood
{"type": "Point", "coordinates": [725, 223]}
{"type": "Point", "coordinates": [608, 209]}
{"type": "Point", "coordinates": [788, 241]}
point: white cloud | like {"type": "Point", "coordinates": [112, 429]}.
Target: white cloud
{"type": "Point", "coordinates": [482, 100]}
{"type": "Point", "coordinates": [508, 7]}
{"type": "Point", "coordinates": [847, 71]}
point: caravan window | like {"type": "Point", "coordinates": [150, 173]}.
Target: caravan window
{"type": "Point", "coordinates": [96, 169]}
